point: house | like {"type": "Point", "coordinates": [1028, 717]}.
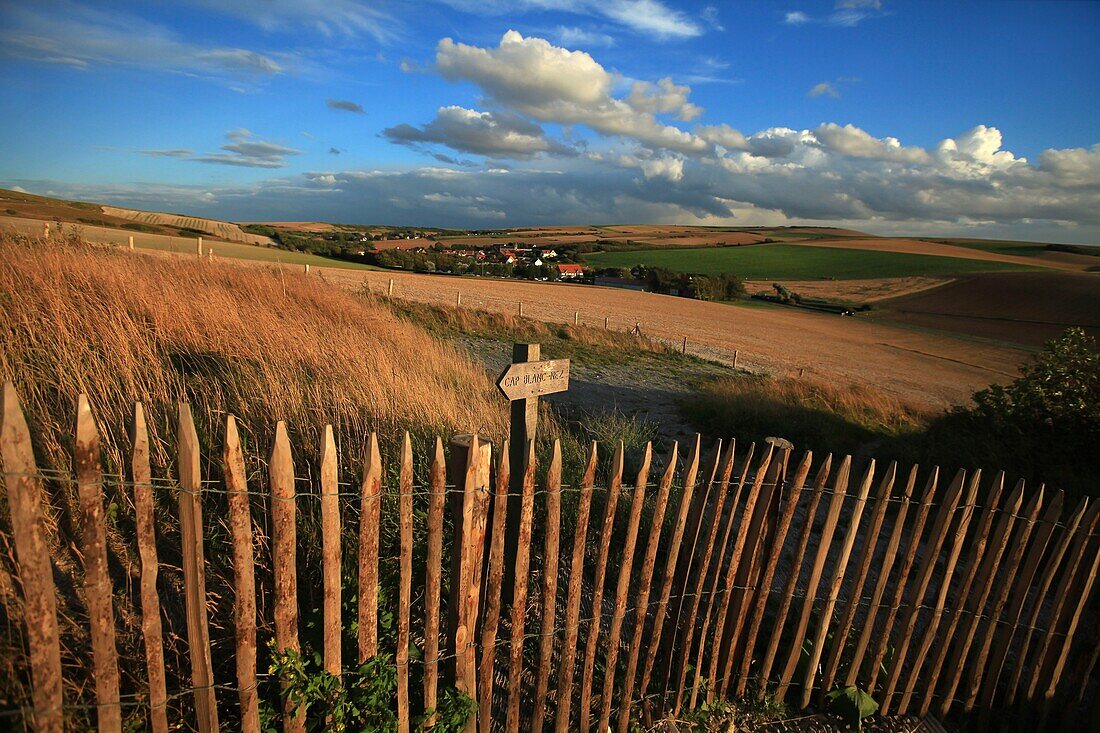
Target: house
{"type": "Point", "coordinates": [570, 272]}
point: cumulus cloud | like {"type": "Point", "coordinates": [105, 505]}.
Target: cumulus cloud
{"type": "Point", "coordinates": [554, 84]}
{"type": "Point", "coordinates": [1073, 166]}
{"type": "Point", "coordinates": [481, 133]}
{"type": "Point", "coordinates": [344, 105]}
{"type": "Point", "coordinates": [85, 37]}
{"type": "Point", "coordinates": [856, 143]}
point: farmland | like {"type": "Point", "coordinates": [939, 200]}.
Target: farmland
{"type": "Point", "coordinates": [797, 262]}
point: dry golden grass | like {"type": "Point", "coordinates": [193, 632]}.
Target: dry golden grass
{"type": "Point", "coordinates": [811, 413]}
{"type": "Point", "coordinates": [263, 344]}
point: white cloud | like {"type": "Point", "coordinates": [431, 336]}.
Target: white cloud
{"type": "Point", "coordinates": [553, 84]}
{"type": "Point", "coordinates": [854, 142]}
{"type": "Point", "coordinates": [651, 18]}
{"type": "Point", "coordinates": [85, 37]}
{"type": "Point", "coordinates": [333, 19]}
{"type": "Point", "coordinates": [822, 89]}
{"type": "Point", "coordinates": [500, 135]}
{"type": "Point", "coordinates": [572, 36]}
{"type": "Point", "coordinates": [1073, 166]}
{"type": "Point", "coordinates": [669, 168]}
{"type": "Point", "coordinates": [244, 149]}
{"type": "Point", "coordinates": [796, 17]}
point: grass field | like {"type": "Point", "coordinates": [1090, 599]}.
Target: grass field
{"type": "Point", "coordinates": [789, 261]}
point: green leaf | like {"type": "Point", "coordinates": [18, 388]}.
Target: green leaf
{"type": "Point", "coordinates": [852, 704]}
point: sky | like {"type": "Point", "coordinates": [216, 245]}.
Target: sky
{"type": "Point", "coordinates": [973, 119]}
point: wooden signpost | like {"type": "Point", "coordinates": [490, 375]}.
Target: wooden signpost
{"type": "Point", "coordinates": [523, 382]}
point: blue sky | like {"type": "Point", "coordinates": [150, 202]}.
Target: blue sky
{"type": "Point", "coordinates": [977, 118]}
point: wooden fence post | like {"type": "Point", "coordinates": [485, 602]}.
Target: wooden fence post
{"type": "Point", "coordinates": [194, 570]}
{"type": "Point", "coordinates": [701, 575]}
{"type": "Point", "coordinates": [936, 537]}
{"type": "Point", "coordinates": [284, 545]}
{"type": "Point", "coordinates": [494, 574]}
{"type": "Point", "coordinates": [244, 577]}
{"type": "Point", "coordinates": [389, 291]}
{"type": "Point", "coordinates": [1009, 579]}
{"type": "Point", "coordinates": [131, 243]}
{"type": "Point", "coordinates": [97, 583]}
{"type": "Point", "coordinates": [519, 595]}
{"type": "Point", "coordinates": [833, 589]}
{"type": "Point", "coordinates": [832, 515]}
{"type": "Point", "coordinates": [437, 483]}
{"type": "Point", "coordinates": [1003, 641]}
{"type": "Point", "coordinates": [756, 616]}
{"type": "Point", "coordinates": [978, 543]}
{"type": "Point", "coordinates": [718, 575]}
{"type": "Point", "coordinates": [151, 631]}
{"type": "Point", "coordinates": [626, 563]}
{"type": "Point", "coordinates": [613, 488]}
{"type": "Point", "coordinates": [369, 518]}
{"type": "Point", "coordinates": [549, 586]}
{"type": "Point", "coordinates": [25, 499]}
{"type": "Point", "coordinates": [855, 593]}
{"type": "Point", "coordinates": [786, 598]}
{"type": "Point", "coordinates": [573, 597]}
{"type": "Point", "coordinates": [669, 577]}
{"type": "Point", "coordinates": [645, 581]}
{"type": "Point", "coordinates": [330, 553]}
{"type": "Point", "coordinates": [734, 562]}
{"type": "Point", "coordinates": [404, 593]}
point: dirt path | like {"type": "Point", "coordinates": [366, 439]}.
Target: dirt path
{"type": "Point", "coordinates": [937, 369]}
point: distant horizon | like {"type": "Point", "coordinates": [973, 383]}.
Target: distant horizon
{"type": "Point", "coordinates": [981, 120]}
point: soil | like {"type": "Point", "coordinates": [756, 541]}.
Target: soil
{"type": "Point", "coordinates": [852, 291]}
{"type": "Point", "coordinates": [1026, 308]}
{"type": "Point", "coordinates": [921, 247]}
{"type": "Point", "coordinates": [932, 368]}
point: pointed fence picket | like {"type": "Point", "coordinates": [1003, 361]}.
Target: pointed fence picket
{"type": "Point", "coordinates": [979, 603]}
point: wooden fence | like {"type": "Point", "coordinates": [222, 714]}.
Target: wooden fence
{"type": "Point", "coordinates": [731, 575]}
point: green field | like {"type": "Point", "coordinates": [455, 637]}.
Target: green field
{"type": "Point", "coordinates": [792, 262]}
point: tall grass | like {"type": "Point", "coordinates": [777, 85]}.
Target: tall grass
{"type": "Point", "coordinates": [812, 414]}
{"type": "Point", "coordinates": [262, 344]}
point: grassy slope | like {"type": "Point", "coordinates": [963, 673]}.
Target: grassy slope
{"type": "Point", "coordinates": [785, 261]}
{"type": "Point", "coordinates": [255, 343]}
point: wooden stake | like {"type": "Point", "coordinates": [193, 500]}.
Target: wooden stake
{"type": "Point", "coordinates": [887, 564]}
{"type": "Point", "coordinates": [389, 291]}
{"type": "Point", "coordinates": [330, 553]}
{"type": "Point", "coordinates": [626, 563]}
{"type": "Point", "coordinates": [284, 546]}
{"type": "Point", "coordinates": [194, 571]}
{"type": "Point", "coordinates": [131, 243]}
{"type": "Point", "coordinates": [404, 592]}
{"type": "Point", "coordinates": [549, 586]}
{"type": "Point", "coordinates": [151, 631]}
{"type": "Point", "coordinates": [756, 615]}
{"type": "Point", "coordinates": [613, 490]}
{"type": "Point", "coordinates": [576, 318]}
{"type": "Point", "coordinates": [437, 483]}
{"type": "Point", "coordinates": [244, 600]}
{"type": "Point", "coordinates": [788, 593]}
{"type": "Point", "coordinates": [684, 346]}
{"type": "Point", "coordinates": [936, 537]}
{"type": "Point", "coordinates": [369, 516]}
{"type": "Point", "coordinates": [97, 583]}
{"type": "Point", "coordinates": [519, 595]}
{"type": "Point", "coordinates": [669, 577]}
{"type": "Point", "coordinates": [573, 597]}
{"type": "Point", "coordinates": [645, 581]}
{"type": "Point", "coordinates": [492, 593]}
{"type": "Point", "coordinates": [25, 501]}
